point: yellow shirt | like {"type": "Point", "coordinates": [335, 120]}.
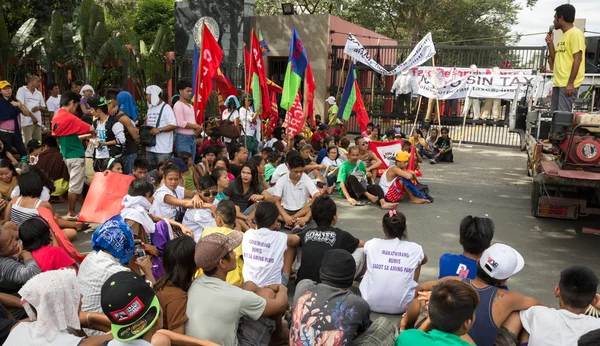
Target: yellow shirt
{"type": "Point", "coordinates": [234, 277]}
{"type": "Point", "coordinates": [570, 43]}
{"type": "Point", "coordinates": [411, 140]}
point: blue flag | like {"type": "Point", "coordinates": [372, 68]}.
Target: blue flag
{"type": "Point", "coordinates": [297, 62]}
{"type": "Point", "coordinates": [195, 60]}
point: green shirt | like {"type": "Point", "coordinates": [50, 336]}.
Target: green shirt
{"type": "Point", "coordinates": [71, 147]}
{"type": "Point", "coordinates": [433, 338]}
{"type": "Point", "coordinates": [269, 169]}
{"type": "Point", "coordinates": [344, 171]}
{"type": "Point", "coordinates": [188, 181]}
{"type": "Point", "coordinates": [333, 110]}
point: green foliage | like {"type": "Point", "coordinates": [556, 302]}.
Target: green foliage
{"type": "Point", "coordinates": [16, 12]}
{"type": "Point", "coordinates": [150, 16]}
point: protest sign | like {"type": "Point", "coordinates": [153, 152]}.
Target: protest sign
{"type": "Point", "coordinates": [104, 197]}
{"type": "Point", "coordinates": [386, 152]}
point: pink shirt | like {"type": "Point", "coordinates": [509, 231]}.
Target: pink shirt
{"type": "Point", "coordinates": [52, 258]}
{"type": "Point", "coordinates": [184, 114]}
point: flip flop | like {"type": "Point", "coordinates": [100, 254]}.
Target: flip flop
{"type": "Point", "coordinates": [361, 203]}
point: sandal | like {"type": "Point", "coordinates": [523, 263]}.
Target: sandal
{"type": "Point", "coordinates": [361, 203]}
{"type": "Point", "coordinates": [71, 218]}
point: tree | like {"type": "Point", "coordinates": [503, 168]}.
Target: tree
{"type": "Point", "coordinates": [16, 12]}
{"type": "Point", "coordinates": [333, 7]}
{"type": "Point", "coordinates": [150, 16]}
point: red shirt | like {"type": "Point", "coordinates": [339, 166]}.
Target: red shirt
{"type": "Point", "coordinates": [52, 257]}
{"type": "Point", "coordinates": [316, 137]}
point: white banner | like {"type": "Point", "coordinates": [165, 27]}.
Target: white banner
{"type": "Point", "coordinates": [477, 86]}
{"type": "Point", "coordinates": [359, 53]}
{"type": "Point", "coordinates": [422, 52]}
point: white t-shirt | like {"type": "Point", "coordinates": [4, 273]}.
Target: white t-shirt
{"type": "Point", "coordinates": [53, 104]}
{"type": "Point", "coordinates": [227, 116]}
{"type": "Point", "coordinates": [119, 132]}
{"type": "Point", "coordinates": [160, 208]}
{"type": "Point", "coordinates": [270, 142]}
{"type": "Point", "coordinates": [45, 196]}
{"type": "Point", "coordinates": [250, 128]}
{"type": "Point", "coordinates": [295, 197]}
{"type": "Point", "coordinates": [263, 256]}
{"type": "Point", "coordinates": [551, 327]}
{"type": "Point", "coordinates": [164, 140]}
{"type": "Point", "coordinates": [30, 100]}
{"type": "Point", "coordinates": [197, 220]}
{"type": "Point", "coordinates": [279, 172]}
{"type": "Point", "coordinates": [390, 263]}
{"type": "Point", "coordinates": [329, 162]}
{"type": "Point", "coordinates": [23, 334]}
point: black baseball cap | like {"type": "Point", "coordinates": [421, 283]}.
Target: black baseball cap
{"type": "Point", "coordinates": [130, 304]}
{"type": "Point", "coordinates": [96, 101]}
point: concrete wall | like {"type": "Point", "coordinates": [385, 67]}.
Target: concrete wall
{"type": "Point", "coordinates": [314, 32]}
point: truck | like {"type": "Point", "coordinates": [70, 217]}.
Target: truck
{"type": "Point", "coordinates": [563, 154]}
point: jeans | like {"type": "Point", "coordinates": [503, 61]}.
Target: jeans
{"type": "Point", "coordinates": [186, 143]}
{"type": "Point", "coordinates": [127, 161]}
{"type": "Point", "coordinates": [156, 158]}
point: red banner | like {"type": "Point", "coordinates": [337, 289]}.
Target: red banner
{"type": "Point", "coordinates": [211, 56]}
{"type": "Point", "coordinates": [224, 88]}
{"type": "Point", "coordinates": [295, 118]}
{"type": "Point", "coordinates": [274, 117]}
{"type": "Point", "coordinates": [104, 197]}
{"type": "Point", "coordinates": [310, 96]}
{"type": "Point", "coordinates": [247, 69]}
{"type": "Point", "coordinates": [386, 152]}
{"type": "Point", "coordinates": [274, 88]}
{"type": "Point", "coordinates": [362, 117]}
{"type": "Point", "coordinates": [257, 65]}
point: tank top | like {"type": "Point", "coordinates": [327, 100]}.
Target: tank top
{"type": "Point", "coordinates": [484, 331]}
{"type": "Point", "coordinates": [19, 214]}
{"type": "Point", "coordinates": [130, 146]}
{"type": "Point", "coordinates": [384, 183]}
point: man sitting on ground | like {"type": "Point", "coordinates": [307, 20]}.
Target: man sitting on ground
{"type": "Point", "coordinates": [315, 242]}
{"type": "Point", "coordinates": [330, 311]}
{"type": "Point", "coordinates": [476, 235]}
{"type": "Point", "coordinates": [293, 194]}
{"type": "Point", "coordinates": [372, 162]}
{"type": "Point", "coordinates": [452, 306]}
{"type": "Point", "coordinates": [544, 326]}
{"type": "Point", "coordinates": [395, 179]}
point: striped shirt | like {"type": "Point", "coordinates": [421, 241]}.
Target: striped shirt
{"type": "Point", "coordinates": [19, 214]}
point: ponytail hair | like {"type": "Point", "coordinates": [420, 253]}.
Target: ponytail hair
{"type": "Point", "coordinates": [394, 224]}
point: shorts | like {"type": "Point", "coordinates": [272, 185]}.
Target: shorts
{"type": "Point", "coordinates": [76, 168]}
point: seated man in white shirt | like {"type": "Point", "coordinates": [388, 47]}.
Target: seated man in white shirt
{"type": "Point", "coordinates": [576, 290]}
{"type": "Point", "coordinates": [293, 193]}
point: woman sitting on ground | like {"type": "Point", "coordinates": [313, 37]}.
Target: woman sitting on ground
{"type": "Point", "coordinates": [171, 199]}
{"type": "Point", "coordinates": [261, 168]}
{"type": "Point", "coordinates": [403, 260]}
{"type": "Point", "coordinates": [374, 136]}
{"type": "Point", "coordinates": [332, 161]}
{"type": "Point", "coordinates": [443, 148]}
{"type": "Point", "coordinates": [17, 266]}
{"type": "Point", "coordinates": [115, 166]}
{"type": "Point", "coordinates": [207, 164]}
{"type": "Point", "coordinates": [8, 181]}
{"type": "Point", "coordinates": [38, 239]}
{"type": "Point", "coordinates": [223, 162]}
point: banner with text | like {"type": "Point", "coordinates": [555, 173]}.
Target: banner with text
{"type": "Point", "coordinates": [422, 52]}
{"type": "Point", "coordinates": [386, 152]}
{"type": "Point", "coordinates": [359, 53]}
{"type": "Point", "coordinates": [295, 117]}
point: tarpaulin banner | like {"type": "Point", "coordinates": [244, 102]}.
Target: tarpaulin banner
{"type": "Point", "coordinates": [422, 52]}
{"type": "Point", "coordinates": [60, 236]}
{"type": "Point", "coordinates": [386, 152]}
{"type": "Point", "coordinates": [359, 53]}
{"type": "Point", "coordinates": [104, 197]}
{"type": "Point", "coordinates": [477, 86]}
{"type": "Point", "coordinates": [295, 117]}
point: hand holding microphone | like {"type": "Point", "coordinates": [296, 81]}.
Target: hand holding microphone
{"type": "Point", "coordinates": [550, 36]}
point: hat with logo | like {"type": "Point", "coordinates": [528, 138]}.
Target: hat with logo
{"type": "Point", "coordinates": [501, 261]}
{"type": "Point", "coordinates": [130, 304]}
{"type": "Point", "coordinates": [96, 101]}
{"type": "Point", "coordinates": [402, 156]}
{"type": "Point", "coordinates": [212, 248]}
{"type": "Point", "coordinates": [4, 84]}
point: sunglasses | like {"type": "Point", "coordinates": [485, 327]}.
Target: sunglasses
{"type": "Point", "coordinates": [209, 194]}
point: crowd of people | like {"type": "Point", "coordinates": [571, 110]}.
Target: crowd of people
{"type": "Point", "coordinates": [214, 229]}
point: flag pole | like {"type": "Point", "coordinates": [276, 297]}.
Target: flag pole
{"type": "Point", "coordinates": [198, 78]}
{"type": "Point", "coordinates": [372, 89]}
{"type": "Point", "coordinates": [437, 97]}
{"type": "Point", "coordinates": [417, 115]}
{"type": "Point", "coordinates": [344, 81]}
{"type": "Point", "coordinates": [340, 79]}
{"type": "Point", "coordinates": [246, 107]}
{"type": "Point", "coordinates": [463, 127]}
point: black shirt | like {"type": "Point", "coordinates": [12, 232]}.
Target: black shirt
{"type": "Point", "coordinates": [235, 170]}
{"type": "Point", "coordinates": [315, 242]}
{"type": "Point", "coordinates": [238, 197]}
{"type": "Point", "coordinates": [5, 324]}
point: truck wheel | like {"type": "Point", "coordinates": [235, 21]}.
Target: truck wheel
{"type": "Point", "coordinates": [535, 198]}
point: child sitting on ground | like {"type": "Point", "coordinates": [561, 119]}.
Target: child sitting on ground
{"type": "Point", "coordinates": [225, 218]}
{"type": "Point", "coordinates": [170, 199]}
{"type": "Point", "coordinates": [315, 242]}
{"type": "Point", "coordinates": [544, 326]}
{"type": "Point", "coordinates": [38, 239]}
{"type": "Point", "coordinates": [273, 159]}
{"type": "Point", "coordinates": [115, 166]}
{"type": "Point", "coordinates": [268, 253]}
{"type": "Point", "coordinates": [392, 262]}
{"type": "Point", "coordinates": [476, 235]}
{"type": "Point", "coordinates": [198, 219]}
{"type": "Point", "coordinates": [293, 194]}
{"type": "Point", "coordinates": [140, 170]}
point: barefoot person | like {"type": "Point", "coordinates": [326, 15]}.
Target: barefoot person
{"type": "Point", "coordinates": [352, 188]}
{"type": "Point", "coordinates": [394, 178]}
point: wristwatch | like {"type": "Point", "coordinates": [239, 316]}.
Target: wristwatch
{"type": "Point", "coordinates": [159, 130]}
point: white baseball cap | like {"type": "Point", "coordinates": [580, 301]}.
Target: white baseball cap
{"type": "Point", "coordinates": [330, 100]}
{"type": "Point", "coordinates": [501, 261]}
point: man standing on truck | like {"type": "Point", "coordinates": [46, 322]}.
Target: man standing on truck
{"type": "Point", "coordinates": [566, 60]}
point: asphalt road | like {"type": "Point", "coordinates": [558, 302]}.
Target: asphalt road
{"type": "Point", "coordinates": [483, 181]}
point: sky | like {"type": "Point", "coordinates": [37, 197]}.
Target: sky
{"type": "Point", "coordinates": [539, 18]}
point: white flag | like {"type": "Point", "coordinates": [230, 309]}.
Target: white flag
{"type": "Point", "coordinates": [422, 52]}
{"type": "Point", "coordinates": [359, 53]}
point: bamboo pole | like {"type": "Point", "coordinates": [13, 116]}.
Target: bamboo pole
{"type": "Point", "coordinates": [463, 127]}
{"type": "Point", "coordinates": [437, 98]}
{"type": "Point", "coordinates": [340, 79]}
{"type": "Point", "coordinates": [416, 115]}
{"type": "Point", "coordinates": [332, 120]}
{"type": "Point", "coordinates": [372, 89]}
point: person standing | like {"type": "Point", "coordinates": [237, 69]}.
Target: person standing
{"type": "Point", "coordinates": [67, 127]}
{"type": "Point", "coordinates": [110, 133]}
{"type": "Point", "coordinates": [332, 113]}
{"type": "Point", "coordinates": [10, 133]}
{"type": "Point", "coordinates": [566, 60]}
{"type": "Point", "coordinates": [127, 115]}
{"type": "Point", "coordinates": [402, 88]}
{"type": "Point", "coordinates": [250, 126]}
{"type": "Point", "coordinates": [161, 117]}
{"type": "Point", "coordinates": [186, 121]}
{"type": "Point", "coordinates": [53, 102]}
{"type": "Point", "coordinates": [34, 101]}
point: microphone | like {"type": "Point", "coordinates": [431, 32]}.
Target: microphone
{"type": "Point", "coordinates": [550, 29]}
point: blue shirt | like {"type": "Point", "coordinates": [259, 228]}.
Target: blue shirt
{"type": "Point", "coordinates": [457, 265]}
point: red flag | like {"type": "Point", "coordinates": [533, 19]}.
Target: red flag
{"type": "Point", "coordinates": [310, 95]}
{"type": "Point", "coordinates": [224, 88]}
{"type": "Point", "coordinates": [362, 117]}
{"type": "Point", "coordinates": [294, 119]}
{"type": "Point", "coordinates": [211, 56]}
{"type": "Point", "coordinates": [274, 117]}
{"type": "Point", "coordinates": [247, 68]}
{"type": "Point", "coordinates": [274, 88]}
{"type": "Point", "coordinates": [257, 66]}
